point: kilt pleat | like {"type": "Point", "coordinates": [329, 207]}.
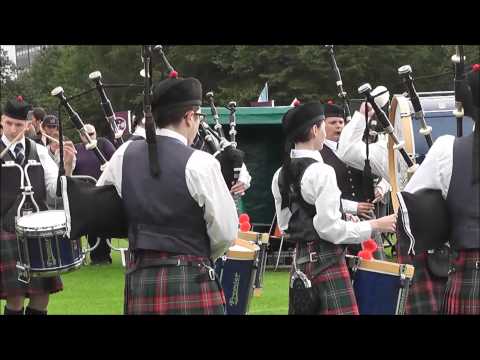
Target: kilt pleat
{"type": "Point", "coordinates": [174, 290]}
{"type": "Point", "coordinates": [426, 292]}
{"type": "Point", "coordinates": [332, 286]}
{"type": "Point", "coordinates": [462, 294]}
{"type": "Point", "coordinates": [9, 284]}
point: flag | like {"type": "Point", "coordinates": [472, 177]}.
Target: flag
{"type": "Point", "coordinates": [264, 94]}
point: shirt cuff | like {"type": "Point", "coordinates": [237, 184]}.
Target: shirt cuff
{"type": "Point", "coordinates": [365, 230]}
{"type": "Point", "coordinates": [349, 207]}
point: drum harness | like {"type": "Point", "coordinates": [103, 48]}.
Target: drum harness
{"type": "Point", "coordinates": [23, 269]}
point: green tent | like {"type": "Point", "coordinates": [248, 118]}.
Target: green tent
{"type": "Point", "coordinates": [259, 135]}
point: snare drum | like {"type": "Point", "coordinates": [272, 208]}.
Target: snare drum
{"type": "Point", "coordinates": [260, 239]}
{"type": "Point", "coordinates": [236, 271]}
{"type": "Point", "coordinates": [380, 287]}
{"type": "Point", "coordinates": [44, 250]}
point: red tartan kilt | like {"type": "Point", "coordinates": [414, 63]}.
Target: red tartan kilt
{"type": "Point", "coordinates": [426, 292]}
{"type": "Point", "coordinates": [332, 286]}
{"type": "Point", "coordinates": [172, 290]}
{"type": "Point", "coordinates": [9, 284]}
{"type": "Point", "coordinates": [463, 286]}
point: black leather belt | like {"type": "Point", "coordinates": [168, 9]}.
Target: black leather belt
{"type": "Point", "coordinates": [173, 262]}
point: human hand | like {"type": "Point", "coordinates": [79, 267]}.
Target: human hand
{"type": "Point", "coordinates": [365, 210]}
{"type": "Point", "coordinates": [385, 224]}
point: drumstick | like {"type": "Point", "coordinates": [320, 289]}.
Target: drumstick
{"type": "Point", "coordinates": [18, 137]}
{"type": "Point", "coordinates": [51, 138]}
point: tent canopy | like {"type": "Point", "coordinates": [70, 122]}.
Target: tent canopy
{"type": "Point", "coordinates": [251, 115]}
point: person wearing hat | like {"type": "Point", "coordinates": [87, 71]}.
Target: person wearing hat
{"type": "Point", "coordinates": [88, 164]}
{"type": "Point", "coordinates": [452, 165]}
{"type": "Point", "coordinates": [36, 116]}
{"type": "Point", "coordinates": [50, 126]}
{"type": "Point", "coordinates": [181, 217]}
{"type": "Point", "coordinates": [44, 183]}
{"type": "Point", "coordinates": [308, 207]}
{"type": "Point", "coordinates": [350, 180]}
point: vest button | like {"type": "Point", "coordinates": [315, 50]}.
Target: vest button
{"type": "Point", "coordinates": [353, 194]}
{"type": "Point", "coordinates": [350, 179]}
{"type": "Point", "coordinates": [349, 172]}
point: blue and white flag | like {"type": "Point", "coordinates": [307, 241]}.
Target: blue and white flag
{"type": "Point", "coordinates": [264, 94]}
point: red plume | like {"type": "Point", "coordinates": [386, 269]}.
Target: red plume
{"type": "Point", "coordinates": [173, 74]}
{"type": "Point", "coordinates": [245, 226]}
{"type": "Point", "coordinates": [243, 218]}
{"type": "Point", "coordinates": [370, 245]}
{"type": "Point", "coordinates": [476, 67]}
{"type": "Point", "coordinates": [330, 102]}
{"type": "Point", "coordinates": [296, 103]}
{"type": "Point", "coordinates": [365, 255]}
{"type": "Point", "coordinates": [20, 98]}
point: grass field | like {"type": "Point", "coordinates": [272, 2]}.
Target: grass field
{"type": "Point", "coordinates": [98, 290]}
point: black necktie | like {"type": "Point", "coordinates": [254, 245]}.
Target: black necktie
{"type": "Point", "coordinates": [19, 157]}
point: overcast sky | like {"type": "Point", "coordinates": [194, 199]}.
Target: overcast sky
{"type": "Point", "coordinates": [11, 51]}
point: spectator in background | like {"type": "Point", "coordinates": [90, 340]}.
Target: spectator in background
{"type": "Point", "coordinates": [88, 164]}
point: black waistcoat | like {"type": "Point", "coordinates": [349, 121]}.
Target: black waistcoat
{"type": "Point", "coordinates": [300, 225]}
{"type": "Point", "coordinates": [349, 179]}
{"type": "Point", "coordinates": [463, 197]}
{"type": "Point", "coordinates": [162, 214]}
{"type": "Point", "coordinates": [11, 193]}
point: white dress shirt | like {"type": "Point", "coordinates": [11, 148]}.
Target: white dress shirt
{"type": "Point", "coordinates": [348, 206]}
{"type": "Point", "coordinates": [435, 172]}
{"type": "Point", "coordinates": [352, 150]}
{"type": "Point", "coordinates": [319, 188]}
{"type": "Point", "coordinates": [206, 186]}
{"type": "Point", "coordinates": [50, 169]}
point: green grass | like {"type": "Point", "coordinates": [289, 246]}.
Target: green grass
{"type": "Point", "coordinates": [98, 290]}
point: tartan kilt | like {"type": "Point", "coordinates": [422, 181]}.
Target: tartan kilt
{"type": "Point", "coordinates": [462, 295]}
{"type": "Point", "coordinates": [426, 292]}
{"type": "Point", "coordinates": [332, 286]}
{"type": "Point", "coordinates": [171, 290]}
{"type": "Point", "coordinates": [9, 284]}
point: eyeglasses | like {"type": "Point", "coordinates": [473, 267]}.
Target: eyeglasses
{"type": "Point", "coordinates": [201, 116]}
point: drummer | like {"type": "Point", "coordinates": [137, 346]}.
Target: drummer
{"type": "Point", "coordinates": [44, 182]}
{"type": "Point", "coordinates": [453, 166]}
{"type": "Point", "coordinates": [307, 202]}
{"type": "Point", "coordinates": [178, 221]}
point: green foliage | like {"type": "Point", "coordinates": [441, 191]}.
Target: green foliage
{"type": "Point", "coordinates": [233, 72]}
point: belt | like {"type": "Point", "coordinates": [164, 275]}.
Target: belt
{"type": "Point", "coordinates": [174, 262]}
{"type": "Point", "coordinates": [311, 257]}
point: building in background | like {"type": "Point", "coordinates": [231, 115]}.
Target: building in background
{"type": "Point", "coordinates": [25, 55]}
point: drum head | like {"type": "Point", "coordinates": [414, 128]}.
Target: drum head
{"type": "Point", "coordinates": [43, 220]}
{"type": "Point", "coordinates": [401, 119]}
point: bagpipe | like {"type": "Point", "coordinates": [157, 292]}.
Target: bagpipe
{"type": "Point", "coordinates": [213, 140]}
{"type": "Point", "coordinates": [424, 221]}
{"type": "Point", "coordinates": [342, 94]}
{"type": "Point", "coordinates": [230, 158]}
{"type": "Point", "coordinates": [107, 108]}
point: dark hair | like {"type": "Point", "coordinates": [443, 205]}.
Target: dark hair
{"type": "Point", "coordinates": [301, 135]}
{"type": "Point", "coordinates": [171, 116]}
{"type": "Point", "coordinates": [39, 113]}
